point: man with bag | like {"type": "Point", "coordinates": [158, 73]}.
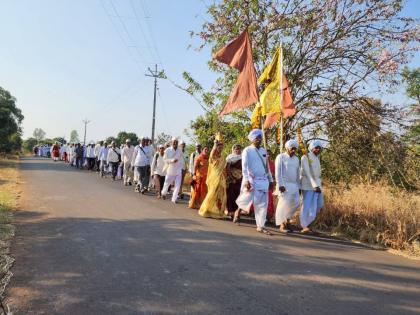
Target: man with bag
{"type": "Point", "coordinates": [256, 178]}
{"type": "Point", "coordinates": [113, 159]}
{"type": "Point", "coordinates": [142, 158]}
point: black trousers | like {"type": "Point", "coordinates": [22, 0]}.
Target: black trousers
{"type": "Point", "coordinates": [90, 163]}
{"type": "Point", "coordinates": [114, 168]}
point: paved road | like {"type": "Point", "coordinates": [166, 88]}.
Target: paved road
{"type": "Point", "coordinates": [86, 245]}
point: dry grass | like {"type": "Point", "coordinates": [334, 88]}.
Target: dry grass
{"type": "Point", "coordinates": [376, 214]}
{"type": "Point", "coordinates": [8, 201]}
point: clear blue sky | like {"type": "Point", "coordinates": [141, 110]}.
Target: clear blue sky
{"type": "Point", "coordinates": [68, 60]}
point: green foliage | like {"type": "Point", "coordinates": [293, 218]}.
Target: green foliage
{"type": "Point", "coordinates": [59, 140]}
{"type": "Point", "coordinates": [110, 139]}
{"type": "Point", "coordinates": [10, 119]}
{"type": "Point", "coordinates": [74, 136]}
{"type": "Point", "coordinates": [412, 80]}
{"type": "Point", "coordinates": [123, 135]}
{"type": "Point", "coordinates": [29, 144]}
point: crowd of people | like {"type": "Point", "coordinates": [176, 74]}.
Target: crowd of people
{"type": "Point", "coordinates": [247, 181]}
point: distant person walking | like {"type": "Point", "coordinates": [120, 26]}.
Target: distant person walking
{"type": "Point", "coordinates": [158, 170]}
{"type": "Point", "coordinates": [113, 159]}
{"type": "Point", "coordinates": [126, 159]}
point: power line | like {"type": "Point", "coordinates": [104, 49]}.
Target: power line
{"type": "Point", "coordinates": [156, 75]}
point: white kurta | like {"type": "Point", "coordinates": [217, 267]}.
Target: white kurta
{"type": "Point", "coordinates": [288, 176]}
{"type": "Point", "coordinates": [174, 160]}
{"type": "Point", "coordinates": [311, 178]}
{"type": "Point", "coordinates": [255, 171]}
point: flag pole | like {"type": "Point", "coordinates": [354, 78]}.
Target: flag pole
{"type": "Point", "coordinates": [281, 97]}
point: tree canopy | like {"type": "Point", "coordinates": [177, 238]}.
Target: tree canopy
{"type": "Point", "coordinates": [10, 120]}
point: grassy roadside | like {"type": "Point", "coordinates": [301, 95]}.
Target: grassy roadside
{"type": "Point", "coordinates": [8, 202]}
{"type": "Point", "coordinates": [375, 214]}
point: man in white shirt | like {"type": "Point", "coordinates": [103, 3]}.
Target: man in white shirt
{"type": "Point", "coordinates": [90, 156]}
{"type": "Point", "coordinates": [142, 158]}
{"type": "Point", "coordinates": [313, 199]}
{"type": "Point", "coordinates": [288, 184]}
{"type": "Point", "coordinates": [194, 157]}
{"type": "Point", "coordinates": [103, 155]}
{"type": "Point", "coordinates": [175, 162]}
{"type": "Point", "coordinates": [185, 167]}
{"type": "Point", "coordinates": [126, 158]}
{"type": "Point", "coordinates": [158, 170]}
{"type": "Point", "coordinates": [70, 153]}
{"type": "Point", "coordinates": [113, 159]}
{"type": "Point", "coordinates": [256, 177]}
{"type": "Point", "coordinates": [97, 150]}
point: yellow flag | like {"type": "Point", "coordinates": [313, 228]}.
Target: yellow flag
{"type": "Point", "coordinates": [256, 117]}
{"type": "Point", "coordinates": [270, 98]}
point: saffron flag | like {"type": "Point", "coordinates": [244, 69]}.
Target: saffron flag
{"type": "Point", "coordinates": [271, 119]}
{"type": "Point", "coordinates": [270, 98]}
{"type": "Point", "coordinates": [238, 54]}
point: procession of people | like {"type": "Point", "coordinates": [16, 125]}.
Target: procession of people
{"type": "Point", "coordinates": [245, 182]}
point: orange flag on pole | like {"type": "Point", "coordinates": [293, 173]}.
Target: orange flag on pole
{"type": "Point", "coordinates": [238, 54]}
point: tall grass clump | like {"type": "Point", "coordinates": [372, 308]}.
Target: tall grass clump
{"type": "Point", "coordinates": [374, 213]}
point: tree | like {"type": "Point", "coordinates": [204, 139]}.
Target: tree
{"type": "Point", "coordinates": [74, 136]}
{"type": "Point", "coordinates": [162, 139]}
{"type": "Point", "coordinates": [10, 119]}
{"type": "Point", "coordinates": [123, 136]}
{"type": "Point", "coordinates": [29, 144]}
{"type": "Point", "coordinates": [332, 50]}
{"type": "Point", "coordinates": [411, 78]}
{"type": "Point", "coordinates": [60, 140]}
{"type": "Point", "coordinates": [110, 139]}
{"type": "Point", "coordinates": [39, 134]}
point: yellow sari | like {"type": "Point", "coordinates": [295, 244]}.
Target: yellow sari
{"type": "Point", "coordinates": [214, 204]}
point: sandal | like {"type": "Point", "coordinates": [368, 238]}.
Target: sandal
{"type": "Point", "coordinates": [264, 231]}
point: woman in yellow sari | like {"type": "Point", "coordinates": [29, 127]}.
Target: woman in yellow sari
{"type": "Point", "coordinates": [214, 204]}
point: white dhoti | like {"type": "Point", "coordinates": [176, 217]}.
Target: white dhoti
{"type": "Point", "coordinates": [136, 176]}
{"type": "Point", "coordinates": [312, 203]}
{"type": "Point", "coordinates": [169, 180]}
{"type": "Point", "coordinates": [127, 174]}
{"type": "Point", "coordinates": [260, 202]}
{"type": "Point", "coordinates": [288, 202]}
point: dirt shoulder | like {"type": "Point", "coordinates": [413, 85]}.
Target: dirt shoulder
{"type": "Point", "coordinates": [9, 195]}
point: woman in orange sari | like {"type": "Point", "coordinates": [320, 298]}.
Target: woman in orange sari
{"type": "Point", "coordinates": [199, 186]}
{"type": "Point", "coordinates": [214, 204]}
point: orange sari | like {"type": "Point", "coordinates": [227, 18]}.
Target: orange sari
{"type": "Point", "coordinates": [199, 190]}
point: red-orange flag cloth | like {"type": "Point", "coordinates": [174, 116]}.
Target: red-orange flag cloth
{"type": "Point", "coordinates": [238, 54]}
{"type": "Point", "coordinates": [288, 107]}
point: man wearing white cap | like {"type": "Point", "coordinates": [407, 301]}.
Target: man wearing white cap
{"type": "Point", "coordinates": [158, 169]}
{"type": "Point", "coordinates": [256, 177]}
{"type": "Point", "coordinates": [288, 184]}
{"type": "Point", "coordinates": [313, 199]}
{"type": "Point", "coordinates": [126, 158]}
{"type": "Point", "coordinates": [142, 158]}
{"type": "Point", "coordinates": [175, 162]}
{"type": "Point", "coordinates": [185, 167]}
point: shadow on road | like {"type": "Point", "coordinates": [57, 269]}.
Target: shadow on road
{"type": "Point", "coordinates": [162, 266]}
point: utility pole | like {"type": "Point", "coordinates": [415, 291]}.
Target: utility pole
{"type": "Point", "coordinates": [157, 75]}
{"type": "Point", "coordinates": [84, 137]}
